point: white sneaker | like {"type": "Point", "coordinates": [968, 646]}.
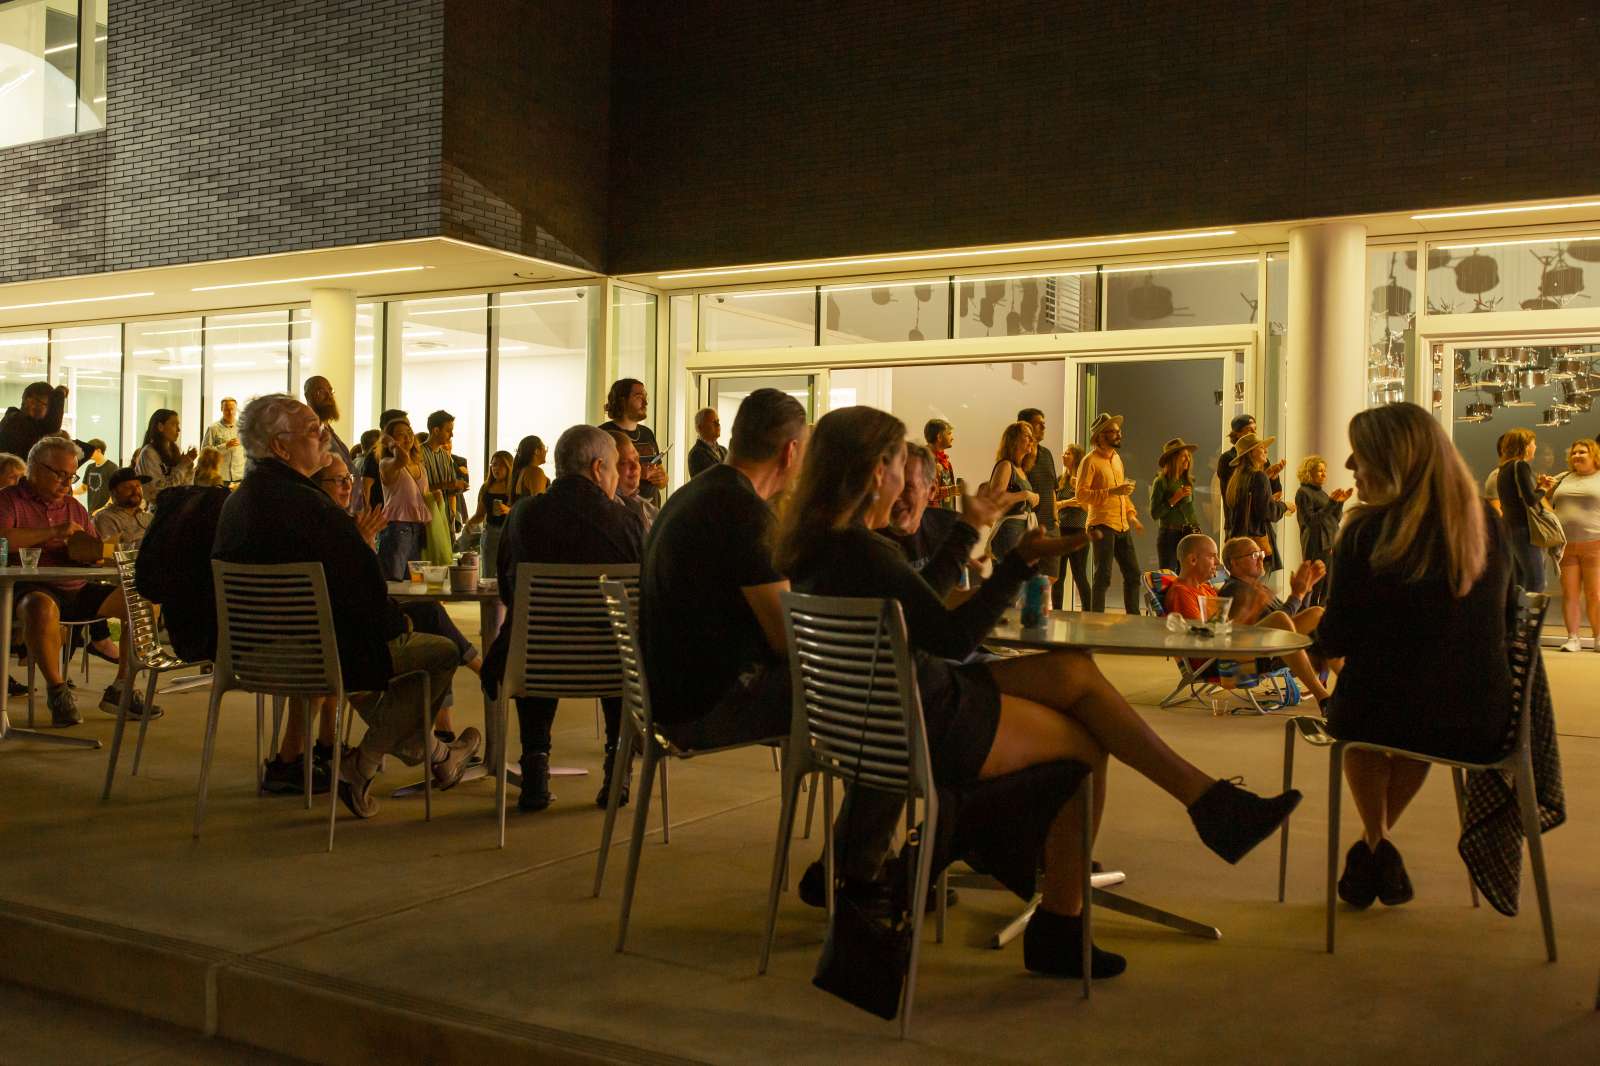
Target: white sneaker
{"type": "Point", "coordinates": [1572, 644]}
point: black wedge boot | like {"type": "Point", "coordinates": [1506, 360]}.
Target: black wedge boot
{"type": "Point", "coordinates": [1232, 820]}
{"type": "Point", "coordinates": [535, 783]}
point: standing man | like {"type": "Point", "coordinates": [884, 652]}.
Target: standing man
{"type": "Point", "coordinates": [441, 465]}
{"type": "Point", "coordinates": [1108, 495]}
{"type": "Point", "coordinates": [1042, 479]}
{"type": "Point", "coordinates": [223, 435]}
{"type": "Point", "coordinates": [320, 398]}
{"type": "Point", "coordinates": [941, 437]}
{"type": "Point", "coordinates": [97, 477]}
{"type": "Point", "coordinates": [627, 405]}
{"type": "Point", "coordinates": [706, 452]}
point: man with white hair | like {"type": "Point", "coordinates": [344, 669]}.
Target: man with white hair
{"type": "Point", "coordinates": [706, 452]}
{"type": "Point", "coordinates": [577, 521]}
{"type": "Point", "coordinates": [279, 514]}
{"type": "Point", "coordinates": [40, 512]}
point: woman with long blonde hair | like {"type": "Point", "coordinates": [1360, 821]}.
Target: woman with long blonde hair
{"type": "Point", "coordinates": [1010, 475]}
{"type": "Point", "coordinates": [1418, 611]}
{"type": "Point", "coordinates": [984, 720]}
{"type": "Point", "coordinates": [1252, 507]}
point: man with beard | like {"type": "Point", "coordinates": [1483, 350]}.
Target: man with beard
{"type": "Point", "coordinates": [320, 398]}
{"type": "Point", "coordinates": [1108, 494]}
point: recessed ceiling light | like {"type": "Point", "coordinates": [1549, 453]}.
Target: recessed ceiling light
{"type": "Point", "coordinates": [1506, 244]}
{"type": "Point", "coordinates": [1145, 268]}
{"type": "Point", "coordinates": [309, 277]}
{"type": "Point", "coordinates": [879, 260]}
{"type": "Point", "coordinates": [79, 300]}
{"type": "Point", "coordinates": [1473, 212]}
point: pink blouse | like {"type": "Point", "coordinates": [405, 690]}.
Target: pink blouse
{"type": "Point", "coordinates": [402, 499]}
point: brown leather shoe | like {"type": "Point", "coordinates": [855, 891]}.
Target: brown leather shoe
{"type": "Point", "coordinates": [447, 771]}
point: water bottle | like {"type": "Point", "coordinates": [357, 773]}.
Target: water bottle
{"type": "Point", "coordinates": [5, 551]}
{"type": "Point", "coordinates": [1035, 593]}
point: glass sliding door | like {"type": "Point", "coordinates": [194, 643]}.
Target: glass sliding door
{"type": "Point", "coordinates": [725, 392]}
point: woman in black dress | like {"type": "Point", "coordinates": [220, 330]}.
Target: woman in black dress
{"type": "Point", "coordinates": [1009, 475]}
{"type": "Point", "coordinates": [1252, 507]}
{"type": "Point", "coordinates": [1418, 611]}
{"type": "Point", "coordinates": [988, 719]}
{"type": "Point", "coordinates": [1072, 516]}
{"type": "Point", "coordinates": [1520, 492]}
{"type": "Point", "coordinates": [1318, 512]}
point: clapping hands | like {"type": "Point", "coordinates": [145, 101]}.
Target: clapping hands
{"type": "Point", "coordinates": [1307, 576]}
{"type": "Point", "coordinates": [369, 523]}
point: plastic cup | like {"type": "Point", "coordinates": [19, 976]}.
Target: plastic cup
{"type": "Point", "coordinates": [436, 576]}
{"type": "Point", "coordinates": [414, 571]}
{"type": "Point", "coordinates": [29, 558]}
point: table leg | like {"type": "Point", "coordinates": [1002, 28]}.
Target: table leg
{"type": "Point", "coordinates": [7, 606]}
{"type": "Point", "coordinates": [1111, 901]}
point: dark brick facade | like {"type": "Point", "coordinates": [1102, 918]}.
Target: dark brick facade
{"type": "Point", "coordinates": [235, 129]}
{"type": "Point", "coordinates": [801, 128]}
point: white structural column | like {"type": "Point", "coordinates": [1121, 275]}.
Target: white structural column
{"type": "Point", "coordinates": [333, 350]}
{"type": "Point", "coordinates": [1326, 378]}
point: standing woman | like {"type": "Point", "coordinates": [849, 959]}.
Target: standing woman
{"type": "Point", "coordinates": [1418, 613]}
{"type": "Point", "coordinates": [1172, 500]}
{"type": "Point", "coordinates": [1576, 498]}
{"type": "Point", "coordinates": [526, 477]}
{"type": "Point", "coordinates": [1520, 492]}
{"type": "Point", "coordinates": [1072, 517]}
{"type": "Point", "coordinates": [159, 458]}
{"type": "Point", "coordinates": [494, 503]}
{"type": "Point", "coordinates": [405, 505]}
{"type": "Point", "coordinates": [1250, 507]}
{"type": "Point", "coordinates": [1010, 475]}
{"type": "Point", "coordinates": [1318, 513]}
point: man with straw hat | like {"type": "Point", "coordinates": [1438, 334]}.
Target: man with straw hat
{"type": "Point", "coordinates": [1108, 495]}
{"type": "Point", "coordinates": [1172, 500]}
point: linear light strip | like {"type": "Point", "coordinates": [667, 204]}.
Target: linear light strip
{"type": "Point", "coordinates": [878, 260]}
{"type": "Point", "coordinates": [1178, 266]}
{"type": "Point", "coordinates": [309, 277]}
{"type": "Point", "coordinates": [1472, 212]}
{"type": "Point", "coordinates": [1506, 244]}
{"type": "Point", "coordinates": [78, 300]}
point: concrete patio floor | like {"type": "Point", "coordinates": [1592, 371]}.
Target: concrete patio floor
{"type": "Point", "coordinates": [425, 943]}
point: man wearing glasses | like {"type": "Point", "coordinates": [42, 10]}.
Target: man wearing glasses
{"type": "Point", "coordinates": [1255, 604]}
{"type": "Point", "coordinates": [40, 512]}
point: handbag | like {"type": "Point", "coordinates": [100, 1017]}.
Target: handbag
{"type": "Point", "coordinates": [1544, 528]}
{"type": "Point", "coordinates": [864, 962]}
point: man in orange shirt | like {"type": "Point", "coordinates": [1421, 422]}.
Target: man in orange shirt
{"type": "Point", "coordinates": [1108, 496]}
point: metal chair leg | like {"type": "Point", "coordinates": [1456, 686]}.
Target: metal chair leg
{"type": "Point", "coordinates": [123, 703]}
{"type": "Point", "coordinates": [919, 894]}
{"type": "Point", "coordinates": [308, 715]}
{"type": "Point", "coordinates": [1335, 781]}
{"type": "Point", "coordinates": [666, 820]}
{"type": "Point", "coordinates": [619, 761]}
{"type": "Point", "coordinates": [1458, 778]}
{"type": "Point", "coordinates": [499, 729]}
{"type": "Point", "coordinates": [260, 725]}
{"type": "Point", "coordinates": [333, 788]}
{"type": "Point", "coordinates": [1288, 783]}
{"type": "Point", "coordinates": [212, 713]}
{"type": "Point", "coordinates": [427, 745]}
{"type": "Point", "coordinates": [31, 694]}
{"type": "Point", "coordinates": [1529, 802]}
{"type": "Point", "coordinates": [780, 856]}
{"type": "Point", "coordinates": [144, 720]}
{"type": "Point", "coordinates": [828, 859]}
{"type": "Point", "coordinates": [811, 805]}
{"type": "Point", "coordinates": [641, 821]}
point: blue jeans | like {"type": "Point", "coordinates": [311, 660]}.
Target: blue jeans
{"type": "Point", "coordinates": [399, 543]}
{"type": "Point", "coordinates": [1527, 560]}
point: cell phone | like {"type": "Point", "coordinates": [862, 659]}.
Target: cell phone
{"type": "Point", "coordinates": [656, 458]}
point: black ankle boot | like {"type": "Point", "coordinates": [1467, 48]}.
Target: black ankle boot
{"type": "Point", "coordinates": [1053, 945]}
{"type": "Point", "coordinates": [535, 783]}
{"type": "Point", "coordinates": [603, 797]}
{"type": "Point", "coordinates": [1393, 883]}
{"type": "Point", "coordinates": [1358, 884]}
{"type": "Point", "coordinates": [1232, 820]}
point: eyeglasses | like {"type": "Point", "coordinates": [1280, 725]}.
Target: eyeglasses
{"type": "Point", "coordinates": [66, 477]}
{"type": "Point", "coordinates": [343, 479]}
{"type": "Point", "coordinates": [1249, 555]}
{"type": "Point", "coordinates": [315, 429]}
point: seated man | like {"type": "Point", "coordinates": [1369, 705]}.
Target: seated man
{"type": "Point", "coordinates": [123, 520]}
{"type": "Point", "coordinates": [1254, 603]}
{"type": "Point", "coordinates": [577, 521]}
{"type": "Point", "coordinates": [916, 526]}
{"type": "Point", "coordinates": [630, 472]}
{"type": "Point", "coordinates": [279, 515]}
{"type": "Point", "coordinates": [1197, 564]}
{"type": "Point", "coordinates": [40, 512]}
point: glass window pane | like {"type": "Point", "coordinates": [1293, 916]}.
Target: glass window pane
{"type": "Point", "coordinates": [88, 361]}
{"type": "Point", "coordinates": [444, 365]}
{"type": "Point", "coordinates": [1207, 293]}
{"type": "Point", "coordinates": [1391, 322]}
{"type": "Point", "coordinates": [38, 70]}
{"type": "Point", "coordinates": [246, 356]}
{"type": "Point", "coordinates": [92, 70]}
{"type": "Point", "coordinates": [543, 343]}
{"type": "Point", "coordinates": [1277, 355]}
{"type": "Point", "coordinates": [633, 335]}
{"type": "Point", "coordinates": [162, 373]}
{"type": "Point", "coordinates": [1013, 305]}
{"type": "Point", "coordinates": [1524, 275]}
{"type": "Point", "coordinates": [891, 311]}
{"type": "Point", "coordinates": [772, 318]}
{"type": "Point", "coordinates": [23, 358]}
{"type": "Point", "coordinates": [359, 411]}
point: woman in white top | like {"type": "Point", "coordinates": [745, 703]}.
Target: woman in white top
{"type": "Point", "coordinates": [1576, 499]}
{"type": "Point", "coordinates": [159, 458]}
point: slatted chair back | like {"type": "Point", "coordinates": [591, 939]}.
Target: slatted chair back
{"type": "Point", "coordinates": [275, 630]}
{"type": "Point", "coordinates": [145, 639]}
{"type": "Point", "coordinates": [622, 610]}
{"type": "Point", "coordinates": [562, 645]}
{"type": "Point", "coordinates": [1527, 623]}
{"type": "Point", "coordinates": [858, 712]}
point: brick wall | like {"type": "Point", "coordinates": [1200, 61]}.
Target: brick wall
{"type": "Point", "coordinates": [526, 126]}
{"type": "Point", "coordinates": [234, 129]}
{"type": "Point", "coordinates": [803, 128]}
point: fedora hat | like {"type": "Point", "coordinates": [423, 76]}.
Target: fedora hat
{"type": "Point", "coordinates": [1101, 421]}
{"type": "Point", "coordinates": [1247, 444]}
{"type": "Point", "coordinates": [1173, 446]}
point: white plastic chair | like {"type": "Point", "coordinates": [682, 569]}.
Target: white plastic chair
{"type": "Point", "coordinates": [561, 646]}
{"type": "Point", "coordinates": [147, 654]}
{"type": "Point", "coordinates": [275, 637]}
{"type": "Point", "coordinates": [858, 717]}
{"type": "Point", "coordinates": [1522, 651]}
{"type": "Point", "coordinates": [638, 721]}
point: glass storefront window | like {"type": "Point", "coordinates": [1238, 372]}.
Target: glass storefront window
{"type": "Point", "coordinates": [162, 372]}
{"type": "Point", "coordinates": [23, 359]}
{"type": "Point", "coordinates": [1219, 292]}
{"type": "Point", "coordinates": [772, 318]}
{"type": "Point", "coordinates": [1277, 353]}
{"type": "Point", "coordinates": [1012, 305]}
{"type": "Point", "coordinates": [444, 365]}
{"type": "Point", "coordinates": [1391, 322]}
{"type": "Point", "coordinates": [633, 337]}
{"type": "Point", "coordinates": [542, 343]}
{"type": "Point", "coordinates": [891, 311]}
{"type": "Point", "coordinates": [88, 361]}
{"type": "Point", "coordinates": [359, 411]}
{"type": "Point", "coordinates": [1535, 274]}
{"type": "Point", "coordinates": [246, 356]}
{"type": "Point", "coordinates": [52, 68]}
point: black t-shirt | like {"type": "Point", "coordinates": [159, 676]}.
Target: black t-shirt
{"type": "Point", "coordinates": [696, 630]}
{"type": "Point", "coordinates": [644, 441]}
{"type": "Point", "coordinates": [97, 480]}
{"type": "Point", "coordinates": [919, 547]}
{"type": "Point", "coordinates": [369, 468]}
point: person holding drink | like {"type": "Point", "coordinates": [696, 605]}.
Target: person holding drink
{"type": "Point", "coordinates": [1107, 494]}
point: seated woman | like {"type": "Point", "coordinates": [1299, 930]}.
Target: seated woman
{"type": "Point", "coordinates": [984, 720]}
{"type": "Point", "coordinates": [1418, 611]}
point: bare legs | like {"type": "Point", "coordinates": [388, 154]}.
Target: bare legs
{"type": "Point", "coordinates": [41, 632]}
{"type": "Point", "coordinates": [294, 731]}
{"type": "Point", "coordinates": [1382, 786]}
{"type": "Point", "coordinates": [1298, 662]}
{"type": "Point", "coordinates": [1580, 586]}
